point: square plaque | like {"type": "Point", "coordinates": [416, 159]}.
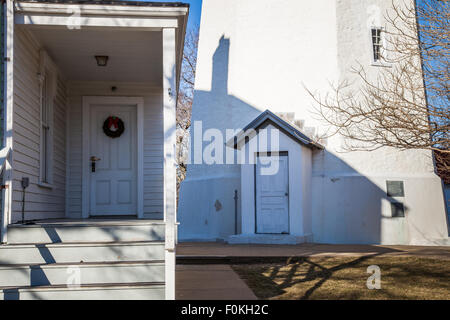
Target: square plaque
{"type": "Point", "coordinates": [395, 189]}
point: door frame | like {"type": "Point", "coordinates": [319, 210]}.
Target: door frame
{"type": "Point", "coordinates": [269, 154]}
{"type": "Point", "coordinates": [85, 180]}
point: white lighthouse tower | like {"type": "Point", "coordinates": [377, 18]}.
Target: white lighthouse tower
{"type": "Point", "coordinates": [261, 54]}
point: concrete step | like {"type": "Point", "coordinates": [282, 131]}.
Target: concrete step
{"type": "Point", "coordinates": [269, 239]}
{"type": "Point", "coordinates": [82, 273]}
{"type": "Point", "coordinates": [81, 252]}
{"type": "Point", "coordinates": [48, 231]}
{"type": "Point", "coordinates": [118, 291]}
{"type": "Point", "coordinates": [442, 242]}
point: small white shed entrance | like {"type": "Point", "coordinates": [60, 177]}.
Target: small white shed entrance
{"type": "Point", "coordinates": [276, 179]}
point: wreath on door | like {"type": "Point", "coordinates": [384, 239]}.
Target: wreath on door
{"type": "Point", "coordinates": [113, 127]}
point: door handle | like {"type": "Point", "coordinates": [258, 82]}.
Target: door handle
{"type": "Point", "coordinates": [286, 194]}
{"type": "Point", "coordinates": [94, 159]}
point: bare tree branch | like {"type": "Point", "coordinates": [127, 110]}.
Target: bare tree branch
{"type": "Point", "coordinates": [185, 100]}
{"type": "Point", "coordinates": [406, 105]}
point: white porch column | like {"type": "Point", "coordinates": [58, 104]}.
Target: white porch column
{"type": "Point", "coordinates": [8, 115]}
{"type": "Point", "coordinates": [169, 105]}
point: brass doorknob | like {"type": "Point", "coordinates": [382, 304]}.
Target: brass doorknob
{"type": "Point", "coordinates": [93, 160]}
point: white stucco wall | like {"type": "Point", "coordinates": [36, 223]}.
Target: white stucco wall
{"type": "Point", "coordinates": [259, 54]}
{"type": "Point", "coordinates": [249, 61]}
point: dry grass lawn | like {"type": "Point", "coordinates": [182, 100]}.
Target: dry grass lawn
{"type": "Point", "coordinates": [346, 277]}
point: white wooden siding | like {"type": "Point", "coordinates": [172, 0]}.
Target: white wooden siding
{"type": "Point", "coordinates": [40, 202]}
{"type": "Point", "coordinates": [153, 141]}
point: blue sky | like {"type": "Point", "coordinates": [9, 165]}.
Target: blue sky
{"type": "Point", "coordinates": [194, 11]}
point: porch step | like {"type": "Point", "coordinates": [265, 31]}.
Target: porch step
{"type": "Point", "coordinates": [89, 273]}
{"type": "Point", "coordinates": [115, 291]}
{"type": "Point", "coordinates": [103, 230]}
{"type": "Point", "coordinates": [269, 239]}
{"type": "Point", "coordinates": [110, 258]}
{"type": "Point", "coordinates": [81, 252]}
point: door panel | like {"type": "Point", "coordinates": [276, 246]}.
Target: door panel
{"type": "Point", "coordinates": [272, 196]}
{"type": "Point", "coordinates": [114, 182]}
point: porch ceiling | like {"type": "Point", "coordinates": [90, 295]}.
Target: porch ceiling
{"type": "Point", "coordinates": [134, 56]}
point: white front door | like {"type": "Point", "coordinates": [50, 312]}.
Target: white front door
{"type": "Point", "coordinates": [113, 182]}
{"type": "Point", "coordinates": [272, 194]}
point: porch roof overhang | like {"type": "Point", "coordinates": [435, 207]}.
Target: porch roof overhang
{"type": "Point", "coordinates": [269, 118]}
{"type": "Point", "coordinates": [107, 15]}
{"type": "Point", "coordinates": [98, 13]}
{"type": "Point", "coordinates": [115, 2]}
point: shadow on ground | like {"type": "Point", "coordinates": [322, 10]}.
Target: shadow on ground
{"type": "Point", "coordinates": [346, 278]}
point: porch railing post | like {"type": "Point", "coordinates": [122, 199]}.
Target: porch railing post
{"type": "Point", "coordinates": [6, 199]}
{"type": "Point", "coordinates": [8, 61]}
{"type": "Point", "coordinates": [169, 119]}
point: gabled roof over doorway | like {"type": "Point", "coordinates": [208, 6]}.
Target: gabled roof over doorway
{"type": "Point", "coordinates": [267, 118]}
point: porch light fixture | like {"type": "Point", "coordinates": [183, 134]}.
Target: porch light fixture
{"type": "Point", "coordinates": [101, 60]}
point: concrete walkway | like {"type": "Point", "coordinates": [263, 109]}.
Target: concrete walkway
{"type": "Point", "coordinates": [210, 282]}
{"type": "Point", "coordinates": [213, 249]}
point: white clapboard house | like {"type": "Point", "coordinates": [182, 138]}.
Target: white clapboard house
{"type": "Point", "coordinates": [88, 141]}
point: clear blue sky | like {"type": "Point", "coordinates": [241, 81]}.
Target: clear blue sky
{"type": "Point", "coordinates": [194, 11]}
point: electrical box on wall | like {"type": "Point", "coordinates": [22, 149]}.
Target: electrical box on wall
{"type": "Point", "coordinates": [25, 182]}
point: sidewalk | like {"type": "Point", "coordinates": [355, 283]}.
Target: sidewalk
{"type": "Point", "coordinates": [217, 250]}
{"type": "Point", "coordinates": [210, 282]}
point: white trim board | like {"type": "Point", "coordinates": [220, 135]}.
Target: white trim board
{"type": "Point", "coordinates": [139, 103]}
{"type": "Point", "coordinates": [51, 14]}
{"type": "Point", "coordinates": [100, 9]}
{"type": "Point", "coordinates": [112, 22]}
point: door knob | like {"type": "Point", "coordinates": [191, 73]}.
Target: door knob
{"type": "Point", "coordinates": [93, 160]}
{"type": "Point", "coordinates": [286, 194]}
